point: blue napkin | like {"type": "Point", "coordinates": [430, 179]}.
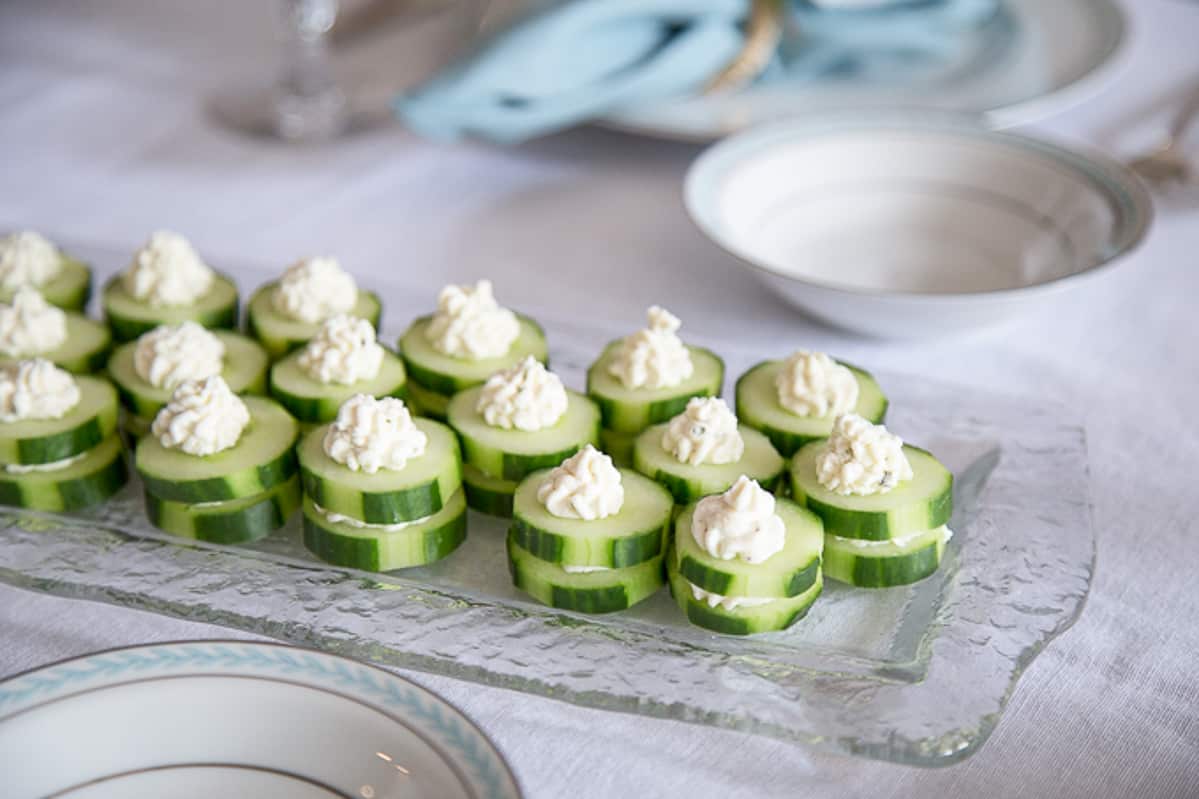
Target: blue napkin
{"type": "Point", "coordinates": [567, 62]}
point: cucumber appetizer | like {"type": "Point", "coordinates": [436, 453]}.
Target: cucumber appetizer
{"type": "Point", "coordinates": [468, 339]}
{"type": "Point", "coordinates": [30, 327]}
{"type": "Point", "coordinates": [796, 401]}
{"type": "Point", "coordinates": [166, 284]}
{"type": "Point", "coordinates": [587, 536]}
{"type": "Point", "coordinates": [520, 421]}
{"type": "Point", "coordinates": [703, 451]}
{"type": "Point", "coordinates": [648, 377]}
{"type": "Point", "coordinates": [383, 489]}
{"type": "Point", "coordinates": [148, 370]}
{"type": "Point", "coordinates": [285, 314]}
{"type": "Point", "coordinates": [744, 562]}
{"type": "Point", "coordinates": [341, 360]}
{"type": "Point", "coordinates": [233, 521]}
{"type": "Point", "coordinates": [30, 259]}
{"type": "Point", "coordinates": [58, 444]}
{"type": "Point", "coordinates": [884, 504]}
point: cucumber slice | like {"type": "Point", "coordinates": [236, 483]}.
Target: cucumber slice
{"type": "Point", "coordinates": [70, 289]}
{"type": "Point", "coordinates": [883, 564]}
{"type": "Point", "coordinates": [777, 615]}
{"type": "Point", "coordinates": [619, 446]}
{"type": "Point", "coordinates": [512, 454]}
{"type": "Point", "coordinates": [91, 421]}
{"type": "Point", "coordinates": [314, 402]}
{"type": "Point", "coordinates": [758, 406]}
{"type": "Point", "coordinates": [90, 480]}
{"type": "Point", "coordinates": [633, 535]}
{"type": "Point", "coordinates": [604, 591]}
{"type": "Point", "coordinates": [135, 427]}
{"type": "Point", "coordinates": [424, 402]}
{"type": "Point", "coordinates": [129, 318]}
{"type": "Point", "coordinates": [415, 544]}
{"type": "Point", "coordinates": [280, 335]}
{"type": "Point", "coordinates": [85, 350]}
{"type": "Point", "coordinates": [687, 483]}
{"type": "Point", "coordinates": [632, 410]}
{"type": "Point", "coordinates": [922, 503]}
{"type": "Point", "coordinates": [245, 372]}
{"type": "Point", "coordinates": [487, 494]}
{"type": "Point", "coordinates": [263, 458]}
{"type": "Point", "coordinates": [443, 374]}
{"type": "Point", "coordinates": [233, 521]}
{"type": "Point", "coordinates": [418, 490]}
{"type": "Point", "coordinates": [787, 573]}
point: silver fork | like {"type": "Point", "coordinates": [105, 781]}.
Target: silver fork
{"type": "Point", "coordinates": [1168, 163]}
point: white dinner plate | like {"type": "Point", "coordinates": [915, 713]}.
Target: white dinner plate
{"type": "Point", "coordinates": [1050, 55]}
{"type": "Point", "coordinates": [225, 718]}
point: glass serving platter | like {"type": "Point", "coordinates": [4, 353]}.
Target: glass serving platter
{"type": "Point", "coordinates": [916, 675]}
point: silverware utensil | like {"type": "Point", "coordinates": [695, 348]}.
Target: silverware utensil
{"type": "Point", "coordinates": [1168, 164]}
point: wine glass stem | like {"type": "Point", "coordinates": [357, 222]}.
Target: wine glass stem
{"type": "Point", "coordinates": [309, 105]}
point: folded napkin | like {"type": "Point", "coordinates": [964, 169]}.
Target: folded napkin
{"type": "Point", "coordinates": [567, 62]}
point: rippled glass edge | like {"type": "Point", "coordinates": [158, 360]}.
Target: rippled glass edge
{"type": "Point", "coordinates": [1017, 577]}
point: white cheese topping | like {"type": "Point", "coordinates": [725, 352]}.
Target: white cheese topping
{"type": "Point", "coordinates": [584, 569]}
{"type": "Point", "coordinates": [313, 289]}
{"type": "Point", "coordinates": [813, 384]}
{"type": "Point", "coordinates": [52, 466]}
{"type": "Point", "coordinates": [35, 389]}
{"type": "Point", "coordinates": [727, 602]}
{"type": "Point", "coordinates": [585, 486]}
{"type": "Point", "coordinates": [526, 397]}
{"type": "Point", "coordinates": [170, 354]}
{"type": "Point", "coordinates": [654, 357]}
{"type": "Point", "coordinates": [706, 432]}
{"type": "Point", "coordinates": [740, 523]}
{"type": "Point", "coordinates": [861, 458]}
{"type": "Point", "coordinates": [903, 540]}
{"type": "Point", "coordinates": [167, 271]}
{"type": "Point", "coordinates": [204, 417]}
{"type": "Point", "coordinates": [30, 325]}
{"type": "Point", "coordinates": [469, 323]}
{"type": "Point", "coordinates": [371, 434]}
{"type": "Point", "coordinates": [350, 521]}
{"type": "Point", "coordinates": [343, 351]}
{"type": "Point", "coordinates": [27, 259]}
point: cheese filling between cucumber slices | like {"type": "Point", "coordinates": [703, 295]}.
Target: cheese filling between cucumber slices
{"type": "Point", "coordinates": [340, 518]}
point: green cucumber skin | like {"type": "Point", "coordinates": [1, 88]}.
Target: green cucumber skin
{"type": "Point", "coordinates": [129, 329]}
{"type": "Point", "coordinates": [247, 521]}
{"type": "Point", "coordinates": [618, 446]}
{"type": "Point", "coordinates": [601, 599]}
{"type": "Point", "coordinates": [428, 404]}
{"type": "Point", "coordinates": [744, 622]}
{"type": "Point", "coordinates": [87, 364]}
{"type": "Point", "coordinates": [622, 552]}
{"type": "Point", "coordinates": [318, 410]}
{"type": "Point", "coordinates": [216, 489]}
{"type": "Point", "coordinates": [364, 552]}
{"type": "Point", "coordinates": [387, 507]}
{"type": "Point", "coordinates": [67, 495]}
{"type": "Point", "coordinates": [445, 384]}
{"type": "Point", "coordinates": [279, 346]}
{"type": "Point", "coordinates": [683, 490]}
{"type": "Point", "coordinates": [487, 494]}
{"type": "Point", "coordinates": [863, 571]}
{"type": "Point", "coordinates": [722, 582]}
{"type": "Point", "coordinates": [622, 417]}
{"type": "Point", "coordinates": [67, 443]}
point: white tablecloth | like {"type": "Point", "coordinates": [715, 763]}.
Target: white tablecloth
{"type": "Point", "coordinates": [103, 138]}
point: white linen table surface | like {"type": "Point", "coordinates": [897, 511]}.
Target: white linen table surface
{"type": "Point", "coordinates": [103, 139]}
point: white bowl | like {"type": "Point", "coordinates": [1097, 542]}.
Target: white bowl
{"type": "Point", "coordinates": [907, 227]}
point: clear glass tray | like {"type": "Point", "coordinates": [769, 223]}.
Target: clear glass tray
{"type": "Point", "coordinates": [916, 675]}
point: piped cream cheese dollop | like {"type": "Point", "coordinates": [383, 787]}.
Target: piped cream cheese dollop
{"type": "Point", "coordinates": [203, 417]}
{"type": "Point", "coordinates": [584, 486]}
{"type": "Point", "coordinates": [726, 602]}
{"type": "Point", "coordinates": [861, 458]}
{"type": "Point", "coordinates": [525, 397]}
{"type": "Point", "coordinates": [706, 432]}
{"type": "Point", "coordinates": [469, 323]}
{"type": "Point", "coordinates": [29, 325]}
{"type": "Point", "coordinates": [27, 259]}
{"type": "Point", "coordinates": [740, 523]}
{"type": "Point", "coordinates": [345, 350]}
{"type": "Point", "coordinates": [170, 354]}
{"type": "Point", "coordinates": [653, 357]}
{"type": "Point", "coordinates": [370, 434]}
{"type": "Point", "coordinates": [313, 289]}
{"type": "Point", "coordinates": [813, 384]}
{"type": "Point", "coordinates": [35, 389]}
{"type": "Point", "coordinates": [167, 271]}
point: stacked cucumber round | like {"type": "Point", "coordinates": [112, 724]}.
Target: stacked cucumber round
{"type": "Point", "coordinates": [627, 411]}
{"type": "Point", "coordinates": [391, 519]}
{"type": "Point", "coordinates": [881, 540]}
{"type": "Point", "coordinates": [759, 461]}
{"type": "Point", "coordinates": [85, 349]}
{"type": "Point", "coordinates": [313, 402]}
{"type": "Point", "coordinates": [238, 494]}
{"type": "Point", "coordinates": [740, 598]}
{"type": "Point", "coordinates": [245, 371]}
{"type": "Point", "coordinates": [129, 317]}
{"type": "Point", "coordinates": [590, 566]}
{"type": "Point", "coordinates": [279, 334]}
{"type": "Point", "coordinates": [66, 463]}
{"type": "Point", "coordinates": [496, 460]}
{"type": "Point", "coordinates": [434, 377]}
